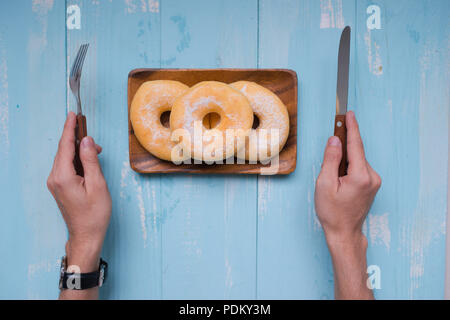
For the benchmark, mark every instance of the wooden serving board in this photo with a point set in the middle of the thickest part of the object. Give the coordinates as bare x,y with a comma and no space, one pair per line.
282,82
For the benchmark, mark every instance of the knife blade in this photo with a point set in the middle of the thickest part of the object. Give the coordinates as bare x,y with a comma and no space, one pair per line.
340,129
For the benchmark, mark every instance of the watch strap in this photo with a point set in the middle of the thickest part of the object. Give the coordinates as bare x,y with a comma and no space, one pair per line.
82,281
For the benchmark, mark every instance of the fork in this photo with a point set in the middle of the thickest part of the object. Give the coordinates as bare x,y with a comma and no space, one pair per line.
80,129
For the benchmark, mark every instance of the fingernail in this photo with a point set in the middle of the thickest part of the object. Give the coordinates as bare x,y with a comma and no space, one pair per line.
352,114
87,142
334,141
71,115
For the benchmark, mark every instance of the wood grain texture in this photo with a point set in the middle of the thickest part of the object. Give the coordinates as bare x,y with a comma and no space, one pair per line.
32,114
123,35
209,232
221,236
282,82
80,133
340,131
402,104
292,252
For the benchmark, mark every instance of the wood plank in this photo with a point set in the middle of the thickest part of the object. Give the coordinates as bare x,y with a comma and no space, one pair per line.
293,260
32,113
209,233
123,35
222,236
403,79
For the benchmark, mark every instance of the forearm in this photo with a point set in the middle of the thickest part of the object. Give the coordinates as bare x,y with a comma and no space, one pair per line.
350,267
85,256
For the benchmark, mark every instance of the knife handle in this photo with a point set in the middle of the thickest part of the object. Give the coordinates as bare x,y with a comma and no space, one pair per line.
80,133
340,131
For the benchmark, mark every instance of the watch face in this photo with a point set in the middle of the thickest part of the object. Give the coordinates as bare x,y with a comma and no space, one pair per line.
103,268
61,272
102,277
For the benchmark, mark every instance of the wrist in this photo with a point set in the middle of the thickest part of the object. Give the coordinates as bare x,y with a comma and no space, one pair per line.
351,241
83,254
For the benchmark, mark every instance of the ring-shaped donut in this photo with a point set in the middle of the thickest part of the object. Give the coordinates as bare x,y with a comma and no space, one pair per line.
273,121
207,98
151,100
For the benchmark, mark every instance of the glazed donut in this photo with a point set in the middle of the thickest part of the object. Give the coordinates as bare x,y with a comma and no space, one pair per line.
272,114
151,100
206,99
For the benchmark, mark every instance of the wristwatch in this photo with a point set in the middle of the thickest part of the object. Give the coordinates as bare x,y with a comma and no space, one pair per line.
82,281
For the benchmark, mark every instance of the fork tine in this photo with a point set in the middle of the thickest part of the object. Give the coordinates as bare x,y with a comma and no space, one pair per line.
79,60
75,63
83,56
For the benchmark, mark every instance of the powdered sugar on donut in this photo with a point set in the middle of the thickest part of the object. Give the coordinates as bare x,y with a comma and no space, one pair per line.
272,115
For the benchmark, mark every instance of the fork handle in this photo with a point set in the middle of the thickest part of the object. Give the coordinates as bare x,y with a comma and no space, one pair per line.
80,133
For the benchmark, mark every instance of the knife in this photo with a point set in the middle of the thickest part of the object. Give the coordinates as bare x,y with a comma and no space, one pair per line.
340,129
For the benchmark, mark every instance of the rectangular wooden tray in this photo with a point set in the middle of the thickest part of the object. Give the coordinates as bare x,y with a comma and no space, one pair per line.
282,82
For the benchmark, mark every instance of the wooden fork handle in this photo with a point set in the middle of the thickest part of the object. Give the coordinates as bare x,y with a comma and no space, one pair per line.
340,131
80,133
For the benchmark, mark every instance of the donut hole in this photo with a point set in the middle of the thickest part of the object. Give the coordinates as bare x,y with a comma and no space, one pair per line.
255,121
211,120
165,117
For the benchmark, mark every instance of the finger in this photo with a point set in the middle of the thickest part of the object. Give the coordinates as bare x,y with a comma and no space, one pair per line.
98,148
375,177
331,160
89,160
355,148
66,147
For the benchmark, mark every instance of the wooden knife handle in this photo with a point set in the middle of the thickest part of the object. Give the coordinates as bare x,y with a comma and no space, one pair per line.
340,131
80,133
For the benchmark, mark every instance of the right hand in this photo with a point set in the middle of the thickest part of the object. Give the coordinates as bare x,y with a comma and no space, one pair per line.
342,203
84,202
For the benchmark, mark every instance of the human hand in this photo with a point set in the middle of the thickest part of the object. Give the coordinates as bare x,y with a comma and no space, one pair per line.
84,202
342,203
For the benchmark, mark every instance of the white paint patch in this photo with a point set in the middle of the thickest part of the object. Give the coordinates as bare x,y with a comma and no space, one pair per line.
379,232
37,41
123,180
4,101
264,196
430,211
228,278
125,174
43,266
141,206
373,55
331,15
153,6
42,7
132,6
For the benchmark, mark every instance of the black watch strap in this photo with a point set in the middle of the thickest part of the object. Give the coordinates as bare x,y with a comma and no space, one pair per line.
82,281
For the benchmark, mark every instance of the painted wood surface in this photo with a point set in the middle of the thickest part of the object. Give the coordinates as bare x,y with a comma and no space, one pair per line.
227,236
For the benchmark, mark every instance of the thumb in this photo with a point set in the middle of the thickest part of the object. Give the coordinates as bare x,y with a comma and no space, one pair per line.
332,159
89,160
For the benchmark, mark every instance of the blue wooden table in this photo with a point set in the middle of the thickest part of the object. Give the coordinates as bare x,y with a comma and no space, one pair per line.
227,237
